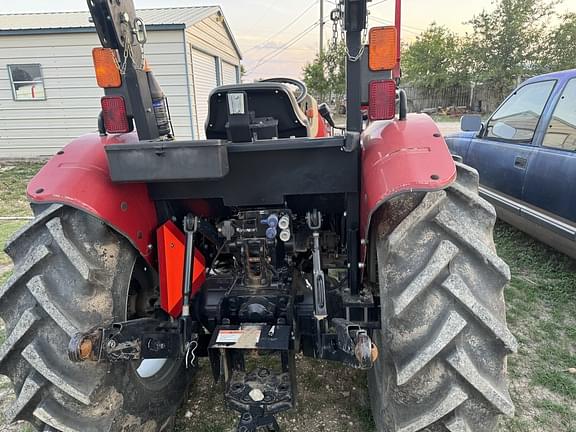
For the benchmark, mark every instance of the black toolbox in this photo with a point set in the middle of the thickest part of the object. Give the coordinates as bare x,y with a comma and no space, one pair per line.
165,161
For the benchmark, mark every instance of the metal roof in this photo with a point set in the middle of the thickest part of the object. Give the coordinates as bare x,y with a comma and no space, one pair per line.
55,20
65,22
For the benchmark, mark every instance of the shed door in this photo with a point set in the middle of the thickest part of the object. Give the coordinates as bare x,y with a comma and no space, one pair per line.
229,73
204,82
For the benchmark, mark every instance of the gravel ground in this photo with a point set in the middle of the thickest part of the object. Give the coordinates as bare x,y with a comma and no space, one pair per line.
448,128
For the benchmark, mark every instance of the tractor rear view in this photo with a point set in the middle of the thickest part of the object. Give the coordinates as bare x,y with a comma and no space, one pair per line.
274,236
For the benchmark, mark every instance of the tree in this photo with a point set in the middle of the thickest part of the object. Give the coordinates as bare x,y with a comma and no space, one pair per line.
315,78
506,45
432,61
561,52
325,77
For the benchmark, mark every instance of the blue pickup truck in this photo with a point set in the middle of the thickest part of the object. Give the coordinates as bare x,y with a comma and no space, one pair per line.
526,156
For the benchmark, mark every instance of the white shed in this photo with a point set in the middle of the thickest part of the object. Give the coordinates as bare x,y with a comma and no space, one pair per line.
48,91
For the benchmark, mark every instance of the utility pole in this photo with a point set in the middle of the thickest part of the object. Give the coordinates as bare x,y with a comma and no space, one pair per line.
321,27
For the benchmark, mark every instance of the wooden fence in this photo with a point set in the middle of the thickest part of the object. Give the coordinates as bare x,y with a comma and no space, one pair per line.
478,99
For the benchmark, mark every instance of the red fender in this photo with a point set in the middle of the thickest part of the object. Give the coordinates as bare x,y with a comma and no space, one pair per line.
399,157
78,176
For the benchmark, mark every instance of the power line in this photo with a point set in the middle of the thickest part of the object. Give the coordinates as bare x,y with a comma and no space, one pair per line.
290,24
409,29
290,42
377,3
266,59
286,46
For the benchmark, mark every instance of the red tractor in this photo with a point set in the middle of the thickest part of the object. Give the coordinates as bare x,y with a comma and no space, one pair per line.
273,236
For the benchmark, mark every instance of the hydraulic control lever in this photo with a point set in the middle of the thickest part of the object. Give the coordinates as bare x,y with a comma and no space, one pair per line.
314,220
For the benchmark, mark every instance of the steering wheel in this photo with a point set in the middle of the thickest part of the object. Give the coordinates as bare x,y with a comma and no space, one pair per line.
300,85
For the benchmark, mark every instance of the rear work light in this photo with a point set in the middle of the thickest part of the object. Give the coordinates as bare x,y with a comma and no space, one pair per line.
115,116
106,67
382,100
382,55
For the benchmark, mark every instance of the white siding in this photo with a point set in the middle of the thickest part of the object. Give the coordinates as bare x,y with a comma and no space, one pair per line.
204,71
210,36
40,128
229,73
208,43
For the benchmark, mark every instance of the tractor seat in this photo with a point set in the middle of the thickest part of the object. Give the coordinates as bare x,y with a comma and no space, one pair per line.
264,101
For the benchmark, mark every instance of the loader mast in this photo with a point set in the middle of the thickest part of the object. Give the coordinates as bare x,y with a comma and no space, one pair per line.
355,23
120,29
398,24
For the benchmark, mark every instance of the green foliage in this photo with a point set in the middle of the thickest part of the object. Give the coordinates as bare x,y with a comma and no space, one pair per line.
326,75
432,61
561,45
512,41
506,44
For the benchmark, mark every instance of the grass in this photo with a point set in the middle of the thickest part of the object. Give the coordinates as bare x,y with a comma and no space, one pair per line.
442,118
6,230
541,302
13,180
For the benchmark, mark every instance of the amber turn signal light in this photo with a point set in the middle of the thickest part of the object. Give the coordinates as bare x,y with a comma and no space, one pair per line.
382,48
106,67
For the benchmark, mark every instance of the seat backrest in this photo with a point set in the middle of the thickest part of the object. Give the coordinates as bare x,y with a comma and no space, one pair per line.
265,100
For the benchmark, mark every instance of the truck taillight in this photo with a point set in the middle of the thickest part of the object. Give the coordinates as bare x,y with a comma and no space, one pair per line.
382,100
106,67
115,115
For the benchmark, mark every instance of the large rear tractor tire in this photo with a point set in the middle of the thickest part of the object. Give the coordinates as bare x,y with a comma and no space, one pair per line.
444,337
72,273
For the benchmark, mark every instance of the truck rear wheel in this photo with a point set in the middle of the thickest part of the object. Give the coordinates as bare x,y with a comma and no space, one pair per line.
72,273
444,340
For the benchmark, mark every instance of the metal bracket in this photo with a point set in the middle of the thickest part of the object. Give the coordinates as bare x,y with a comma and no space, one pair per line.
126,341
352,141
314,220
254,420
350,345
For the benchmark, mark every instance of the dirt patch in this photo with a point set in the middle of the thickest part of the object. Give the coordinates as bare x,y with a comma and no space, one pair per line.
330,398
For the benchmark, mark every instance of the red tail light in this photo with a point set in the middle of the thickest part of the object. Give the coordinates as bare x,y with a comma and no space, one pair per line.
115,116
382,100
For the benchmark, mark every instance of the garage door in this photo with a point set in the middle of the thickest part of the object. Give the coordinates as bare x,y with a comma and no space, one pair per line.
229,73
204,82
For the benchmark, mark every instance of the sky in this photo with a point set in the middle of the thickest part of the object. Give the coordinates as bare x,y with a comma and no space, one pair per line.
261,27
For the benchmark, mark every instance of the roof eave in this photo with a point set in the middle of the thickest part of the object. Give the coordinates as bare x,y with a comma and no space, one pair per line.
62,30
217,10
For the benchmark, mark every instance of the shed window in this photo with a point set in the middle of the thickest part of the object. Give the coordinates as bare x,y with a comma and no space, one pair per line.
27,82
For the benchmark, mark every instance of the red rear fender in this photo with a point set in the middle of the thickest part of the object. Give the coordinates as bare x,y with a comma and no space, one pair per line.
399,157
78,177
